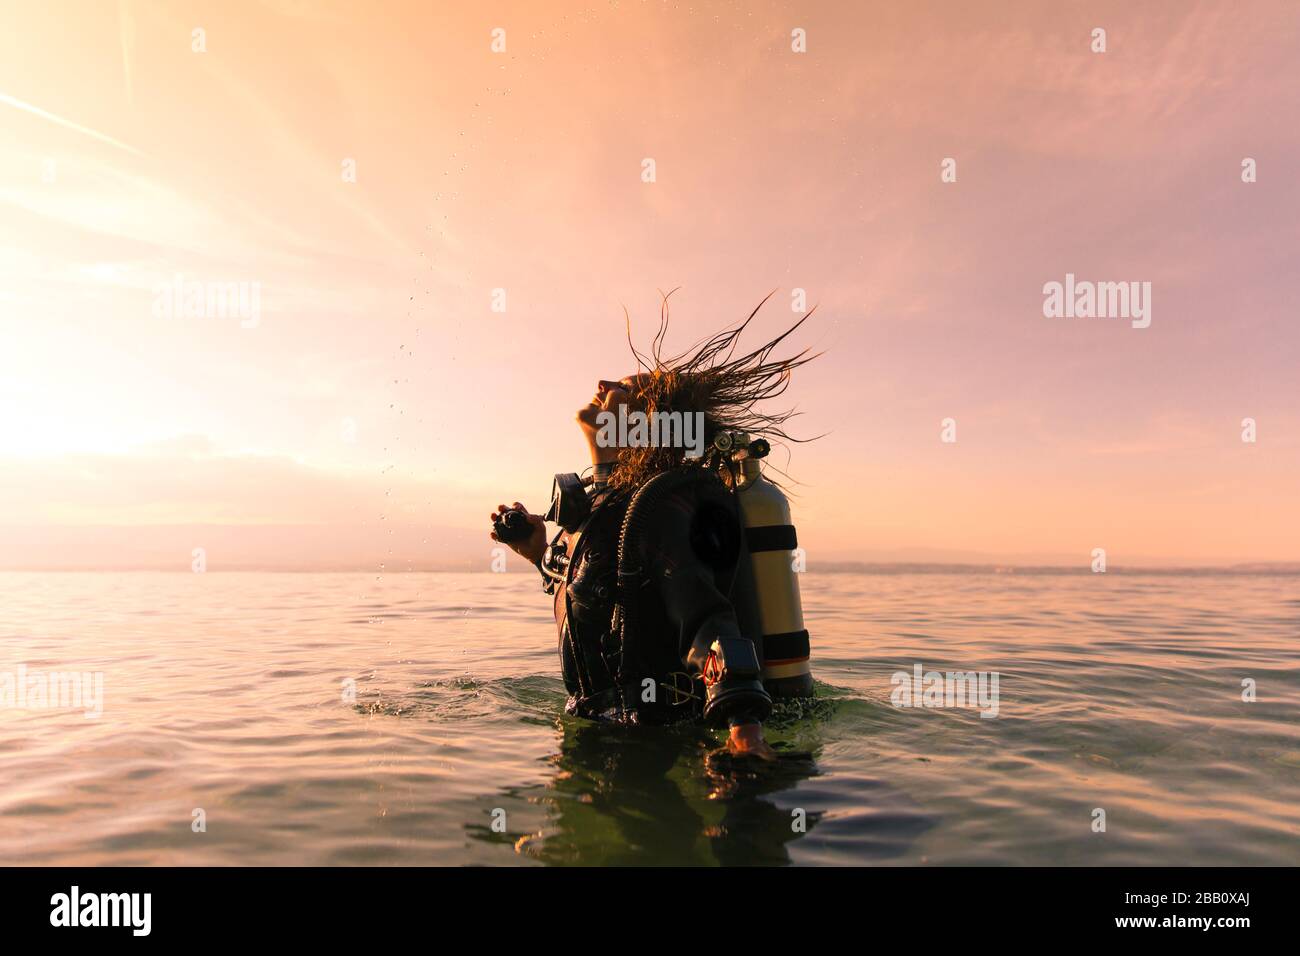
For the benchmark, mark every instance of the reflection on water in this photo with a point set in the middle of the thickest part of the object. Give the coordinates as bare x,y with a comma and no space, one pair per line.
230,693
653,795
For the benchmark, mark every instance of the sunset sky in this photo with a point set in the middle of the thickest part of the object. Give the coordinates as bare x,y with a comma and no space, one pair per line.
378,407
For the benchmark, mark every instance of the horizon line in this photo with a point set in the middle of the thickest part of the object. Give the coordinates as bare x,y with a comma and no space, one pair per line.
840,567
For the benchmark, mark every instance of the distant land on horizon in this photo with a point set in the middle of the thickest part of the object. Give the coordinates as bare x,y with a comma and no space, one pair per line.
325,548
1281,568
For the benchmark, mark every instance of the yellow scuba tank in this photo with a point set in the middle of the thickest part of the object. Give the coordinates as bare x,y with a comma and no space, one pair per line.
766,593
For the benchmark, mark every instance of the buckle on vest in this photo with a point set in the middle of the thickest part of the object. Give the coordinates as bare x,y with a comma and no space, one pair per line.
680,697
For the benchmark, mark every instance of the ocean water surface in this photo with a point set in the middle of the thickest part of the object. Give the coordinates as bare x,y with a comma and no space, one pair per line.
347,719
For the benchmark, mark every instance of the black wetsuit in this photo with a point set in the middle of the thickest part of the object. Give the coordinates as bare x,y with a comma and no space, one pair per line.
690,557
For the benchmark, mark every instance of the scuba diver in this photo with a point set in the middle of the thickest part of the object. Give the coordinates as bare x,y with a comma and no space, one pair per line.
674,594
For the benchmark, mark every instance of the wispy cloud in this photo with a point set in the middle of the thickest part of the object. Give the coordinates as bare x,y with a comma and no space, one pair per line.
18,104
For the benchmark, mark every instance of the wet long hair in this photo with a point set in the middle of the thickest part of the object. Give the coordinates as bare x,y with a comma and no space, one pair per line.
709,378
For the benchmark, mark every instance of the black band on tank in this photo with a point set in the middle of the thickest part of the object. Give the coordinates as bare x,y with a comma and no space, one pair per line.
772,537
791,646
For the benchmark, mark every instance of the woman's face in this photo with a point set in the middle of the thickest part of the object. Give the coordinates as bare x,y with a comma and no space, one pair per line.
609,396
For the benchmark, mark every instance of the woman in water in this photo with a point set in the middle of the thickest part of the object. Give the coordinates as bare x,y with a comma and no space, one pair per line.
660,643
